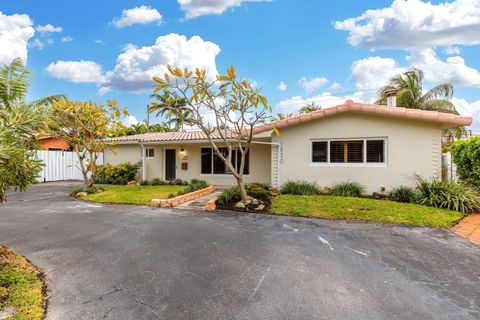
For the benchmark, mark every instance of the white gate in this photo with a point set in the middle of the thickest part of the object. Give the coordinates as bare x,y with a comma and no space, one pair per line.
61,165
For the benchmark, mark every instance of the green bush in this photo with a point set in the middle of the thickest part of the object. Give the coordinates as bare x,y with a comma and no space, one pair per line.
229,195
257,190
300,188
448,195
195,184
120,173
466,156
404,194
144,183
179,182
348,189
90,190
158,182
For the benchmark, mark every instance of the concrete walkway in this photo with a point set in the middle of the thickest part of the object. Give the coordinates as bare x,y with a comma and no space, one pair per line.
469,228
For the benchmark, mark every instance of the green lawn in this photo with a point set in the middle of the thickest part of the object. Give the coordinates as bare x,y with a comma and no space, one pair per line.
142,195
20,286
347,208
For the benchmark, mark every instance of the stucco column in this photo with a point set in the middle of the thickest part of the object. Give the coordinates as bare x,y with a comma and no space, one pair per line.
144,163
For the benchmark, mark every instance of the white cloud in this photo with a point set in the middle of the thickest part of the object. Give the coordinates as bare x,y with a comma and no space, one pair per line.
197,8
103,90
466,108
415,24
48,28
130,120
67,39
325,100
335,86
15,32
36,43
136,66
137,15
451,50
370,73
282,86
312,84
452,70
98,41
77,71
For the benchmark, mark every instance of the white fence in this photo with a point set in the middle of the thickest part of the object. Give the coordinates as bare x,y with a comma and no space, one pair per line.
61,165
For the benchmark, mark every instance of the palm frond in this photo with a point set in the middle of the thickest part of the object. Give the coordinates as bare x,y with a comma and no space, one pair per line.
14,82
443,91
440,105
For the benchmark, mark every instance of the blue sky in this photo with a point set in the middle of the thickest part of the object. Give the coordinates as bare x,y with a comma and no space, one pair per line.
320,51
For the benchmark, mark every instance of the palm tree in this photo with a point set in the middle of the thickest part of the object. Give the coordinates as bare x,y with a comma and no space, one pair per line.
409,90
14,82
172,107
281,116
309,108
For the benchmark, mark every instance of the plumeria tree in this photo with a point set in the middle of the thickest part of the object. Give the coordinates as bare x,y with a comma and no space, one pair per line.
84,126
233,104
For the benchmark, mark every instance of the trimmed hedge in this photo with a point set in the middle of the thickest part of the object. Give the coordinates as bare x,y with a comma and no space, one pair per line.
120,173
466,156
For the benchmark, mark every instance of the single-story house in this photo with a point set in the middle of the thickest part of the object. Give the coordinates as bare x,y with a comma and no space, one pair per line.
381,147
52,144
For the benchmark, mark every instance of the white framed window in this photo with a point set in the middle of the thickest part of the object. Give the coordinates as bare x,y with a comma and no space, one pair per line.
212,164
149,152
349,152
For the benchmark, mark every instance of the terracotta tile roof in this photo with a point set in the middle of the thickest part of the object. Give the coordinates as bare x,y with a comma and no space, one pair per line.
165,137
446,120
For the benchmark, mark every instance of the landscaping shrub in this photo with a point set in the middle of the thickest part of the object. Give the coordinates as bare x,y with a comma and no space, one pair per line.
120,173
158,182
466,156
144,183
258,190
348,189
300,188
404,194
195,184
90,190
448,195
179,182
229,195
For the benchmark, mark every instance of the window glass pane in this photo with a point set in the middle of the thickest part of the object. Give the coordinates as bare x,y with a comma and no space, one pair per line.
375,151
206,160
337,151
149,152
355,151
319,151
218,165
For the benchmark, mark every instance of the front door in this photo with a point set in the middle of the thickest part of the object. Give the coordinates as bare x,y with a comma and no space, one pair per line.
170,164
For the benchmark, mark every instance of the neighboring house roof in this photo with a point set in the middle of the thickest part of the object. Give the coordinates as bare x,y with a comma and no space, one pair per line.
446,120
166,136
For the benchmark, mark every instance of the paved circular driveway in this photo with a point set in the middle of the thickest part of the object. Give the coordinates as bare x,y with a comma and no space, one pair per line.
125,262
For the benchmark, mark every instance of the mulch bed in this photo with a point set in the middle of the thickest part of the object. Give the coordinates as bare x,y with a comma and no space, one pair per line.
267,202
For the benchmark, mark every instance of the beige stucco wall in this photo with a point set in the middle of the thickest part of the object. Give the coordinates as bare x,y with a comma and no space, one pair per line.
259,162
412,148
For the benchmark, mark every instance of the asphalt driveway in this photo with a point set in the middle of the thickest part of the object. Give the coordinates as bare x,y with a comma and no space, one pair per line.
125,262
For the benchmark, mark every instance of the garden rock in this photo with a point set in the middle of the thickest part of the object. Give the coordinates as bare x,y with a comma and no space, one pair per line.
132,183
7,313
240,205
81,194
260,207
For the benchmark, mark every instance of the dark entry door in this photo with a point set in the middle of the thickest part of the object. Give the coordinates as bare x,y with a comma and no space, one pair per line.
170,164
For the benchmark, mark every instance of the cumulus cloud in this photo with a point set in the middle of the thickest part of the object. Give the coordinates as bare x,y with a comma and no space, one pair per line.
48,28
415,24
325,100
282,86
130,120
312,84
77,71
197,8
98,41
36,43
335,86
136,66
471,109
15,32
370,73
67,39
452,70
137,15
451,50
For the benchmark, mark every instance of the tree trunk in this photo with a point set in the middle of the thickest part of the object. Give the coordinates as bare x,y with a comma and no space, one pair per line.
241,187
3,197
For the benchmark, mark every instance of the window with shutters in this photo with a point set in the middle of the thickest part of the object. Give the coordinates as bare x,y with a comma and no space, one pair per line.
366,151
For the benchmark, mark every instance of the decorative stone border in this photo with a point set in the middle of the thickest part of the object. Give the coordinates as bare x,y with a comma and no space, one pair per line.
212,204
178,200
